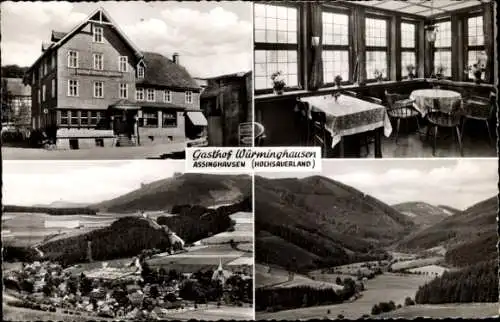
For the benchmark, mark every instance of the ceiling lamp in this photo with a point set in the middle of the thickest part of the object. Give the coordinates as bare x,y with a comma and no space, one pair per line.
431,30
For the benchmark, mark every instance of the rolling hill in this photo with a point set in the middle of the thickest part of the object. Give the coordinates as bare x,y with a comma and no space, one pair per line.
303,224
469,236
421,213
195,189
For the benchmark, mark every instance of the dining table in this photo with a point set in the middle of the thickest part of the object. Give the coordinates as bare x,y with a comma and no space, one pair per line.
347,115
426,100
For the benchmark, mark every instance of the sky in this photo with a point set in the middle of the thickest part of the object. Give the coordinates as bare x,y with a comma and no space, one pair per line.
27,183
459,183
212,38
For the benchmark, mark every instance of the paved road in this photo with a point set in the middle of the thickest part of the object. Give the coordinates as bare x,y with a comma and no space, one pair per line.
136,152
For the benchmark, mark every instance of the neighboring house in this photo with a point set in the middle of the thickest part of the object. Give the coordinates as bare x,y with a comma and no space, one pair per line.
93,87
16,102
227,102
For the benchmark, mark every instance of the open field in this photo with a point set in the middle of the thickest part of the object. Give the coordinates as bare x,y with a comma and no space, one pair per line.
263,278
430,269
383,288
243,231
416,263
212,313
465,311
22,314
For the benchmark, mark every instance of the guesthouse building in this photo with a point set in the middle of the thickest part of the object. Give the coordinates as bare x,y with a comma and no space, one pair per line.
93,87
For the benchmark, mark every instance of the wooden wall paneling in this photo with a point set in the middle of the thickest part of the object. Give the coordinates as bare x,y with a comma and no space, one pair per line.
489,40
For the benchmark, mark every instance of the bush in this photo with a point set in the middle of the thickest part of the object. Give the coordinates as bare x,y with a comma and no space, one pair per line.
376,310
340,316
409,301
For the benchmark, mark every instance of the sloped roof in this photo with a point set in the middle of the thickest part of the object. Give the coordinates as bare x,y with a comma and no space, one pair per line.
161,71
16,87
57,35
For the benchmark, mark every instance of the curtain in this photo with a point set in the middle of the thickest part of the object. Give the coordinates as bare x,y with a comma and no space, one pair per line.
489,39
358,41
316,27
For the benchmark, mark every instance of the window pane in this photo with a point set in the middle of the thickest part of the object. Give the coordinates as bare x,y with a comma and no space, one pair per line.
376,32
407,58
376,60
443,59
475,32
407,35
443,34
271,61
275,24
335,62
335,29
472,59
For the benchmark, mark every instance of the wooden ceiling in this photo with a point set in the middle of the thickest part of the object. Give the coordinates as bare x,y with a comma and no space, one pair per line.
424,8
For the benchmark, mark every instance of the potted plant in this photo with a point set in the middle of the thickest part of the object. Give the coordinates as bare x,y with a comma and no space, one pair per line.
477,71
440,71
338,80
278,82
410,69
379,74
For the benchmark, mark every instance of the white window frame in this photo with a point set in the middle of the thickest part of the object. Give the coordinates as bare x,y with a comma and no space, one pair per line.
149,91
125,60
70,60
120,90
44,90
141,91
140,71
53,88
101,66
188,97
167,96
96,35
77,85
95,88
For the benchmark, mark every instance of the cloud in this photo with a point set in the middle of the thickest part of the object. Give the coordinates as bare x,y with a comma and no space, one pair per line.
211,39
88,182
459,184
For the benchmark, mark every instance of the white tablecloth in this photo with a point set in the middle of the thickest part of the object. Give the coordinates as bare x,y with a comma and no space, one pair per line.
349,115
424,99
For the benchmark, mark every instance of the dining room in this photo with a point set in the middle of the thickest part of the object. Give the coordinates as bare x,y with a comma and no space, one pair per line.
387,78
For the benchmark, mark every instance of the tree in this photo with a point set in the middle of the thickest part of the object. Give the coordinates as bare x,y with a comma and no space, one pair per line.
376,310
409,301
154,291
338,281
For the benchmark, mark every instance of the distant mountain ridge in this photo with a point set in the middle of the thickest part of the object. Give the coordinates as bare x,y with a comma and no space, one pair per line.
189,188
63,204
316,221
422,213
468,236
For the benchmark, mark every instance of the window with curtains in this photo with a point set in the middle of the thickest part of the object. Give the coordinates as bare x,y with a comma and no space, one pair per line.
408,47
376,35
442,48
276,44
336,41
475,42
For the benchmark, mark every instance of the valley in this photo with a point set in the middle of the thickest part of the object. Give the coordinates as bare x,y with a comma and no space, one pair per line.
378,276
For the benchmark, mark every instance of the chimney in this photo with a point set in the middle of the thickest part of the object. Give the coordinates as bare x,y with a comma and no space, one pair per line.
175,58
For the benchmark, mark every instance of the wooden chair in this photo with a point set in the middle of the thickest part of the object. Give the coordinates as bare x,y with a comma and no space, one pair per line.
400,107
439,119
480,109
303,122
318,131
260,134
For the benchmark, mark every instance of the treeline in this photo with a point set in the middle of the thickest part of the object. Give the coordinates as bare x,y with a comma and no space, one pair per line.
51,211
277,299
330,253
15,253
475,283
482,248
126,237
193,223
